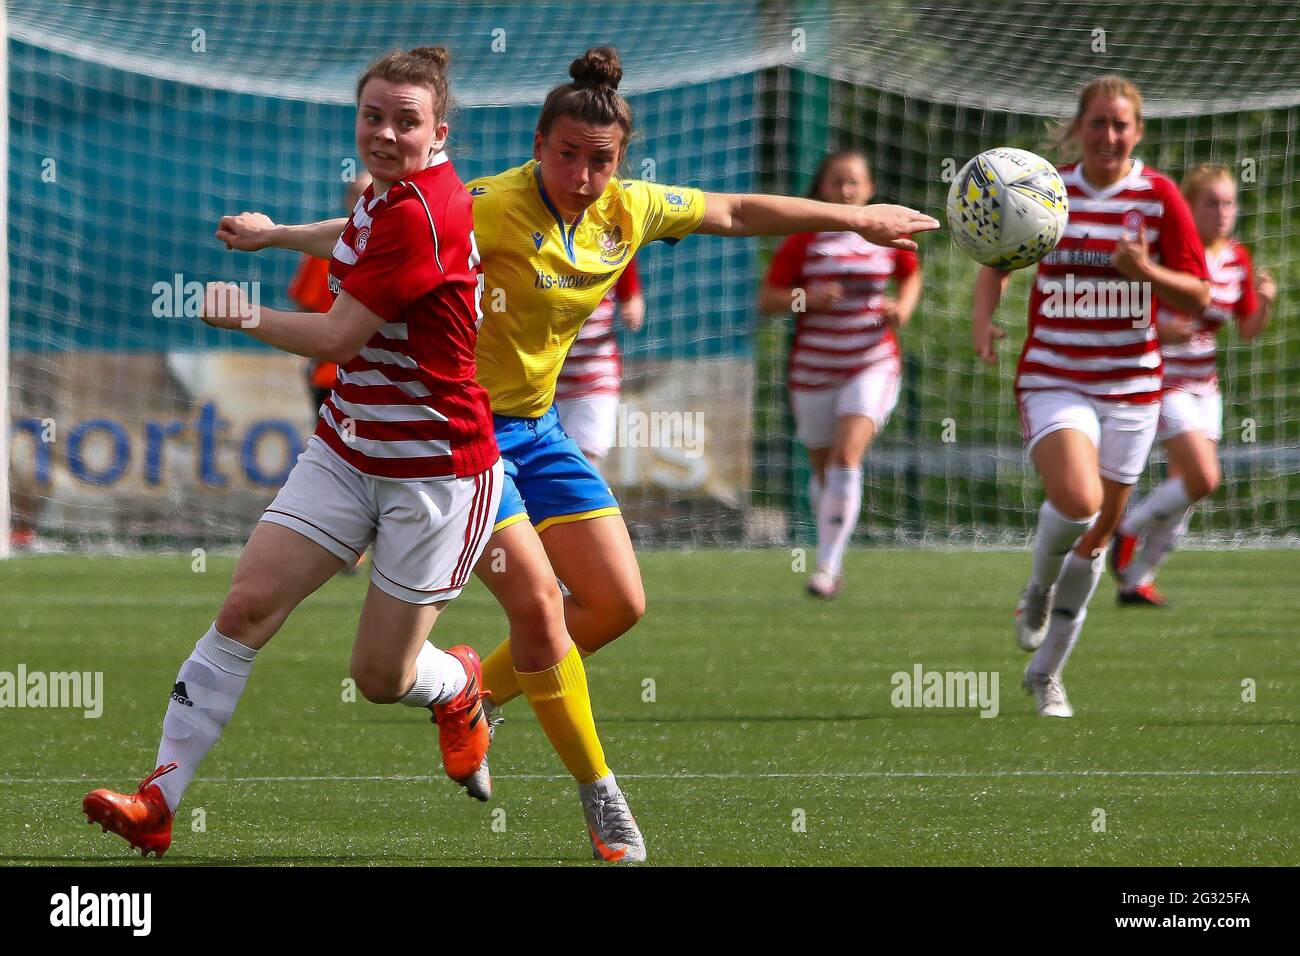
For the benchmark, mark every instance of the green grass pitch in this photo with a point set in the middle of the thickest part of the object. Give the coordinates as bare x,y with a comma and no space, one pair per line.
768,710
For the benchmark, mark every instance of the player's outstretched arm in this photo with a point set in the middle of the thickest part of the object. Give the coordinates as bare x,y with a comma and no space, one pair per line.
753,214
336,336
252,231
989,286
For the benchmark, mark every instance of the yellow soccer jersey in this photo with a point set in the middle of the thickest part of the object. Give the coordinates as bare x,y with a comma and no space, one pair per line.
543,278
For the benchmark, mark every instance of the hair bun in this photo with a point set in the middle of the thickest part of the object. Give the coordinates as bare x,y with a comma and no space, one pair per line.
436,55
597,67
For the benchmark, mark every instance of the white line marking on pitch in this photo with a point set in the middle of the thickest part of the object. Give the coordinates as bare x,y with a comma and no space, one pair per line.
831,775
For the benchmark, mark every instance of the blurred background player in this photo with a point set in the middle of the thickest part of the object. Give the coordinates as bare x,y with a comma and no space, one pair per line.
591,379
1088,382
26,499
844,369
1191,408
310,290
403,456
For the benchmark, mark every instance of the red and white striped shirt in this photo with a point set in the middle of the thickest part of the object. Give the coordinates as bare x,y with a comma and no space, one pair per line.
593,365
831,347
1089,330
1190,365
407,407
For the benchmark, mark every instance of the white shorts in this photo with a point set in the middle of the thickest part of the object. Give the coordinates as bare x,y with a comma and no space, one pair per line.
591,421
1184,411
872,392
427,534
1122,432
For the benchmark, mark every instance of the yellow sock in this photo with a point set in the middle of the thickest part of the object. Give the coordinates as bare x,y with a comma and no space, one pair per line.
499,674
559,698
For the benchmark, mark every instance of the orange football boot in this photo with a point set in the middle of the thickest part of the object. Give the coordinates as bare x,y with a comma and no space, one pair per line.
463,735
1144,595
140,818
1122,550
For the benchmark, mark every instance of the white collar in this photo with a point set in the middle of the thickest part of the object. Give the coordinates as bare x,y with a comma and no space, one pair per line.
1215,260
437,159
1124,182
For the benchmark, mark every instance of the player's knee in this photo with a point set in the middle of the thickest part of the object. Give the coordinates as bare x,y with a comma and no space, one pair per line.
840,458
620,610
377,684
537,611
631,609
245,610
1077,504
1202,484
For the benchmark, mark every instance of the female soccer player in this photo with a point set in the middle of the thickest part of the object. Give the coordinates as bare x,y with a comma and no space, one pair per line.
555,234
844,363
403,457
591,379
1191,408
1088,382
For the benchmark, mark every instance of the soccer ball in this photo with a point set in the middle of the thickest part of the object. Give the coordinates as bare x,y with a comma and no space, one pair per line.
1007,208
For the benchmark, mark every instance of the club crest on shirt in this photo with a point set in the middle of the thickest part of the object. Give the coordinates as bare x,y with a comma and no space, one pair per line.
363,236
613,247
1133,223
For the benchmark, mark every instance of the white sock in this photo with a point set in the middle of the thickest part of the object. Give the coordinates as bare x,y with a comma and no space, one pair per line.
841,500
1053,539
1074,588
814,493
203,701
1162,537
439,677
1169,499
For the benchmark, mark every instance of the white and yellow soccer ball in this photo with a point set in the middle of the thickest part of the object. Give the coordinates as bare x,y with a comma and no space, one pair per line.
1007,208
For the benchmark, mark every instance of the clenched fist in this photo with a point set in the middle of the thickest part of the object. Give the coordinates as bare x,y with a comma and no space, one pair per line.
227,306
247,232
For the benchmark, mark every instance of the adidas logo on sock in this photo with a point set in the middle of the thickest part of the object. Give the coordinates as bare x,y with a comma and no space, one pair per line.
181,695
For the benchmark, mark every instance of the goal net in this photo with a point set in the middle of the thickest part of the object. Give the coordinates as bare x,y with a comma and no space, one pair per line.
135,125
